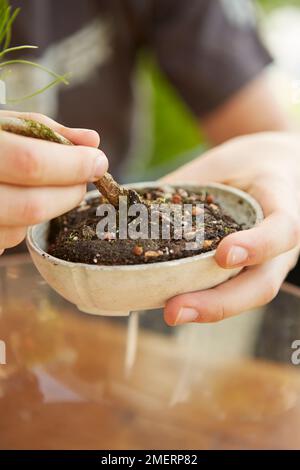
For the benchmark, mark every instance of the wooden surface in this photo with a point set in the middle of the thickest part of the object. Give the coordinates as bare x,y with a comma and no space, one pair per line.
64,385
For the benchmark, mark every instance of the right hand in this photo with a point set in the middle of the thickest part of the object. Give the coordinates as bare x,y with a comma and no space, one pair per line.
265,165
40,180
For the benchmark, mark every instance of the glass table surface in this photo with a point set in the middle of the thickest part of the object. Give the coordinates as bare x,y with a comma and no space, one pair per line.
67,384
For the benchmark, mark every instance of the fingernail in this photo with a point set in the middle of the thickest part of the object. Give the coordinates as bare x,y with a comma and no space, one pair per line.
1,252
186,315
78,129
100,167
236,255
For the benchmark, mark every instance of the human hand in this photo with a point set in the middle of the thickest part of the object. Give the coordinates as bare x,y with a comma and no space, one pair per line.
40,180
266,166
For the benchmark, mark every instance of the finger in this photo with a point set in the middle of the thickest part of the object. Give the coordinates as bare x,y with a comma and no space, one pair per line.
278,233
200,172
86,137
254,287
214,165
30,206
220,165
11,236
33,162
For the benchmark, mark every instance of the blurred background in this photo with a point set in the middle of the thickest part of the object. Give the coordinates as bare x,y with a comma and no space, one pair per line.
156,145
167,148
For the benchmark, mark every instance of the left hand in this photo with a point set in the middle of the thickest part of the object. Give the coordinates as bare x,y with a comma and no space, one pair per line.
266,166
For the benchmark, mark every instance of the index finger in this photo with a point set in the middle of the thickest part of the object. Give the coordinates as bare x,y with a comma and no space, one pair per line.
33,162
87,137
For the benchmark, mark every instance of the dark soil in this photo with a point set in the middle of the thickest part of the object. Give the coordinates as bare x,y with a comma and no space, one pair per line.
72,236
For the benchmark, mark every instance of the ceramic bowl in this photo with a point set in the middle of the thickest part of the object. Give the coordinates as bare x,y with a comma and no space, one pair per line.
119,290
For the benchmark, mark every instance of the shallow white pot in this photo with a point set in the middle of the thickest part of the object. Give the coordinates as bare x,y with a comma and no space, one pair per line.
118,290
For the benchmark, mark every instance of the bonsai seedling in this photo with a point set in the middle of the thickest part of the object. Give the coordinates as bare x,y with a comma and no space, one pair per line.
73,236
